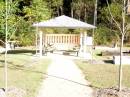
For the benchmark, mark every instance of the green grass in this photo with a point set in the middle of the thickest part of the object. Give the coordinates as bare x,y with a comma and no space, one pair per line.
23,72
103,76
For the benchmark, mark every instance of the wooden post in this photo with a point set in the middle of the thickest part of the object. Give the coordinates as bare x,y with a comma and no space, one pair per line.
36,40
81,42
85,49
40,44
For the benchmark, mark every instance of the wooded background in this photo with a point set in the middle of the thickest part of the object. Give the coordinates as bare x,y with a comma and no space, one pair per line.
23,13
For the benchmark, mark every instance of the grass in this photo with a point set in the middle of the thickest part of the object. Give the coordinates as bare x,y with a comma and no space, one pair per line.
103,75
23,72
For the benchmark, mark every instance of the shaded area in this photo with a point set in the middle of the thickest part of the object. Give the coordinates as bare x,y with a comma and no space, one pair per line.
2,61
113,53
108,61
67,52
21,51
67,7
13,63
127,53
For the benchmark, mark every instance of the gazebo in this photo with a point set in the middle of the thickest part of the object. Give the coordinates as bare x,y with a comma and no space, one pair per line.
64,22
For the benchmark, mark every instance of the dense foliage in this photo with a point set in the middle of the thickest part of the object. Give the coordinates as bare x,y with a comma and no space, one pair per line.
106,13
23,13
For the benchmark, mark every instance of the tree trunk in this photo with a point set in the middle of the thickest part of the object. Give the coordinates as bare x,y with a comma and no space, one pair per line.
85,14
72,12
6,41
121,45
120,67
61,9
72,9
79,14
95,20
58,13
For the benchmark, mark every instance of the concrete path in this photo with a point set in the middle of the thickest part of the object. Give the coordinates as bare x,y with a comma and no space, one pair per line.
64,79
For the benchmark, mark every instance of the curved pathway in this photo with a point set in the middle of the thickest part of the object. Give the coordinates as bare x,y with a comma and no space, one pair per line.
64,79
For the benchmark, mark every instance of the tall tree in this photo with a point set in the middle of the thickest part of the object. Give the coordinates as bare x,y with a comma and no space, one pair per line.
35,11
2,21
12,21
55,6
82,10
117,11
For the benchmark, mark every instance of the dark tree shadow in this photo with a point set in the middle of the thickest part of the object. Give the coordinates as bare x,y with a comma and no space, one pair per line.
99,54
16,65
2,61
108,61
21,51
67,53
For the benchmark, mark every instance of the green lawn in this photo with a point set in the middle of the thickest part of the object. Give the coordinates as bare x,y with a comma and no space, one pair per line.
23,72
102,76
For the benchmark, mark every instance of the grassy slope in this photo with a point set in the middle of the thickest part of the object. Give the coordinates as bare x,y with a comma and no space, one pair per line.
21,75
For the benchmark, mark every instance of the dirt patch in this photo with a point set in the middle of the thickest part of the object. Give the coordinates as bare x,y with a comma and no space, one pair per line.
113,92
13,92
94,61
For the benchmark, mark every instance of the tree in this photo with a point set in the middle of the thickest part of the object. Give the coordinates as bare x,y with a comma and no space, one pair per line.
9,17
82,9
37,11
55,6
104,35
58,4
12,21
123,27
107,20
2,22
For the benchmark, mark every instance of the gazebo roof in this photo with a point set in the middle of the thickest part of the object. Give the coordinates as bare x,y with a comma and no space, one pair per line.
64,22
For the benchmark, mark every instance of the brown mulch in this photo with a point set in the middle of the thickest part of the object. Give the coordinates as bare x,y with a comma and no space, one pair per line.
113,92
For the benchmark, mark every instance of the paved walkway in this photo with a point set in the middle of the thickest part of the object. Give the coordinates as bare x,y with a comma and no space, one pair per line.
64,79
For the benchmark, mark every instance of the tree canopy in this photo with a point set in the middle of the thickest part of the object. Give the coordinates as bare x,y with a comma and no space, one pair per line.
22,13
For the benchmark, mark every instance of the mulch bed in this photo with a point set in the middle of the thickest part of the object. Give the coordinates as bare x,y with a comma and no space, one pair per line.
113,92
